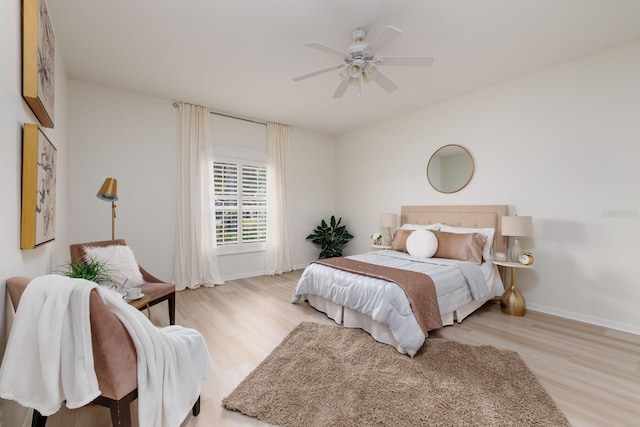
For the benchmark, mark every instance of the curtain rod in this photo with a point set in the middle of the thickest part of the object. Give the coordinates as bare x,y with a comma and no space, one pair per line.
176,105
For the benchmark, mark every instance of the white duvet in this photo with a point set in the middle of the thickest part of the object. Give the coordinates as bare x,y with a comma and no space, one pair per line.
457,283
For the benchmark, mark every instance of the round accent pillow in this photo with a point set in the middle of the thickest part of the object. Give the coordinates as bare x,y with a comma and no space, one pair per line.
422,243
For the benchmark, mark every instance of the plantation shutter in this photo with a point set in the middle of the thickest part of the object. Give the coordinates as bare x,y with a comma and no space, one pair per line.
240,194
254,204
225,185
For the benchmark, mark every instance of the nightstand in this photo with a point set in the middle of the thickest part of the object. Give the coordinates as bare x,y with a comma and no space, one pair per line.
378,247
512,302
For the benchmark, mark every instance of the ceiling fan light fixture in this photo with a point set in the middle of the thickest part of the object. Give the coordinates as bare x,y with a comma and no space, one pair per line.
369,70
355,69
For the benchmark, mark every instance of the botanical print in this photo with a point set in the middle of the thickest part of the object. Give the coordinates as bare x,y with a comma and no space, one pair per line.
46,191
46,59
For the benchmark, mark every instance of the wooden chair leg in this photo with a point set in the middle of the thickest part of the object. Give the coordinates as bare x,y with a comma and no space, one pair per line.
120,409
120,413
196,408
172,309
39,420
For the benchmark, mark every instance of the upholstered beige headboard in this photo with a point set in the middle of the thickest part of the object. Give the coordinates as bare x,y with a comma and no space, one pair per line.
479,216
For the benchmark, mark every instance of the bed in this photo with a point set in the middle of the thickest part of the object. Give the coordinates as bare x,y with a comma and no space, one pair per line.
382,308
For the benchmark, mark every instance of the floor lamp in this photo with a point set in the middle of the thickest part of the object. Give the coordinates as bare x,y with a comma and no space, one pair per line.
109,193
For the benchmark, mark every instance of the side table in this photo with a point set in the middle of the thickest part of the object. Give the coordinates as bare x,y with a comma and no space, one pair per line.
512,302
141,303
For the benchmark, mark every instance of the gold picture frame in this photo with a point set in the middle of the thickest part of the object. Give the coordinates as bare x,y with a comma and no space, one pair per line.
38,60
39,157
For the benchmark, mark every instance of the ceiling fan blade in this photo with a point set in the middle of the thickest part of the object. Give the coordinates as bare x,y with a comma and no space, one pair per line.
385,35
326,48
315,73
342,87
384,82
410,61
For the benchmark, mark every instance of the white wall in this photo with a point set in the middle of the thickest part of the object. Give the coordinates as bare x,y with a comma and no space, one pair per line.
134,138
560,145
314,184
14,113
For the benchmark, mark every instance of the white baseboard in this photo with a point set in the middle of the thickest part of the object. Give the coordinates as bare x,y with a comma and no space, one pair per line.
243,275
256,273
632,329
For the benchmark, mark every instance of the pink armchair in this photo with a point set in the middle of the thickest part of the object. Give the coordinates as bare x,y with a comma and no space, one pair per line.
155,288
114,356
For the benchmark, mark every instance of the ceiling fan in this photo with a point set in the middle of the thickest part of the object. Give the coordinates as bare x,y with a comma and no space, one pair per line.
361,63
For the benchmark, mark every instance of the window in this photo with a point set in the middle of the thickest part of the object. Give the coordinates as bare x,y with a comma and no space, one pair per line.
240,200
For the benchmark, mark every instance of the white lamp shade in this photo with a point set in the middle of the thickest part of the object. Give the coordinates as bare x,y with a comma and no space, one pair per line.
519,226
389,220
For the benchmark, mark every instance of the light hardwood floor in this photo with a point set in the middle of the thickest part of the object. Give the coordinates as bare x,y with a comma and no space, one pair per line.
593,373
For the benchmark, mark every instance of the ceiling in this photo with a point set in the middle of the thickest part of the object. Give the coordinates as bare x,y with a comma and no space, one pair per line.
239,56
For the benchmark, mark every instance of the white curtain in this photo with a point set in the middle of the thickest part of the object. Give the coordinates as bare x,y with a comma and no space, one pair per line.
195,255
279,247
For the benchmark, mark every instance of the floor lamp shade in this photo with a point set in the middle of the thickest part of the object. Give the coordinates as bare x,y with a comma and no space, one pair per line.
517,226
109,190
109,193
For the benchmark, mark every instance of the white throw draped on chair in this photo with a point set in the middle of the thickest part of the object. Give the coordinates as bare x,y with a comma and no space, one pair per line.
279,247
50,359
195,255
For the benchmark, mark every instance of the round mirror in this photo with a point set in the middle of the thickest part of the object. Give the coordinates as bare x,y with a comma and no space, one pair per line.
450,168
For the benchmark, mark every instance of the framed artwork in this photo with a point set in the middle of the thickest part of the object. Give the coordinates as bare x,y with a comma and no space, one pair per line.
38,188
38,60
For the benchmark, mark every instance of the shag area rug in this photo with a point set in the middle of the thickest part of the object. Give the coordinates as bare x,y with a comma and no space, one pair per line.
324,375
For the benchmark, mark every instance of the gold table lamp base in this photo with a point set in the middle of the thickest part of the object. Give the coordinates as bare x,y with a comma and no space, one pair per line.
512,302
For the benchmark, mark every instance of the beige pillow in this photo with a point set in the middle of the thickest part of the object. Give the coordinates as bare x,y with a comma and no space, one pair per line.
489,232
464,247
399,242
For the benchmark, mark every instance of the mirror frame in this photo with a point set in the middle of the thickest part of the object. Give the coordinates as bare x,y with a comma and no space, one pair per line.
473,166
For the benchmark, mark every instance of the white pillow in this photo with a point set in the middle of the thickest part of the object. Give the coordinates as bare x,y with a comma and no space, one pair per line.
120,262
421,226
422,243
489,232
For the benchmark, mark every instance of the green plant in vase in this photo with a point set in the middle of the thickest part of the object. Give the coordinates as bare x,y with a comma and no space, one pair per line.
94,271
331,237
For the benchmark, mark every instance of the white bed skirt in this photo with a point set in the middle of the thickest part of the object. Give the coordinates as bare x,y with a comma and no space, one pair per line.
379,331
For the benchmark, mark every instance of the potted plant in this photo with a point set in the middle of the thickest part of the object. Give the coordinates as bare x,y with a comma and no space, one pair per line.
94,271
331,237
